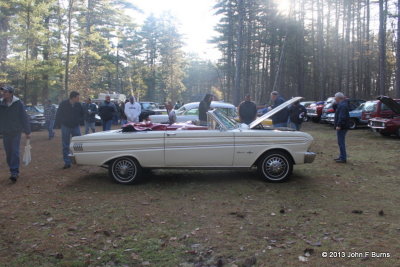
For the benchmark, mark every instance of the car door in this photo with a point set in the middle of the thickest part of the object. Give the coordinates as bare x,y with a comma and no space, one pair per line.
199,148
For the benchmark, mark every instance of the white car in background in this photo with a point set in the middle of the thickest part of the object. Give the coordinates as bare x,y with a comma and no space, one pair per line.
190,112
223,144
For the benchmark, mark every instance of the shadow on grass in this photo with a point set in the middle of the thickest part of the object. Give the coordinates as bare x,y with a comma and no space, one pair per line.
182,178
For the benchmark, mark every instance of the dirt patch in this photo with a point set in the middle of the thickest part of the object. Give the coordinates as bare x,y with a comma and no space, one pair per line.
79,217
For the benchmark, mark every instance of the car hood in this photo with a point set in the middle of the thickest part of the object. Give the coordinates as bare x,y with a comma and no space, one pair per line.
270,113
393,105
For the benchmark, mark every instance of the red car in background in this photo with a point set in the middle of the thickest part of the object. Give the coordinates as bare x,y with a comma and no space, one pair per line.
390,124
314,111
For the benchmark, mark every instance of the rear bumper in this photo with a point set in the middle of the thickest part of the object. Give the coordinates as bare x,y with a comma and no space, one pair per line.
309,157
312,115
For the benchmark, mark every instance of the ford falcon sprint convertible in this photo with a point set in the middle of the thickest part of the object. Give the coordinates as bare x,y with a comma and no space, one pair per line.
223,144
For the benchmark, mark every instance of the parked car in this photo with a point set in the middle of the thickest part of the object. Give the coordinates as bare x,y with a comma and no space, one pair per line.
190,112
224,144
389,125
150,108
314,111
355,117
331,107
376,109
36,116
306,104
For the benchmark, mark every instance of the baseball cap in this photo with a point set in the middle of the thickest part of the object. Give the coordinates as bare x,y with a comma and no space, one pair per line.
7,88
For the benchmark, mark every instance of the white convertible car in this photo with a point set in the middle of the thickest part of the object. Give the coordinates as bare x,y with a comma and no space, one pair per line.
224,144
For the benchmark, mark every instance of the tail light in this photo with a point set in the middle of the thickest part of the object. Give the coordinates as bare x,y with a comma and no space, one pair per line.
331,110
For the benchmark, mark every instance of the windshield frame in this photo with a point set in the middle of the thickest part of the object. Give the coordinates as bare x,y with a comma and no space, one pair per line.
216,116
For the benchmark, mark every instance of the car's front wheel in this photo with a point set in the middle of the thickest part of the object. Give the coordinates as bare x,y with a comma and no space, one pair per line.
352,124
125,170
275,166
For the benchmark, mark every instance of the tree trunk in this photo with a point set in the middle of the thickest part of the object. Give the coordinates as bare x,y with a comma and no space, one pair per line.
382,48
239,54
397,93
66,78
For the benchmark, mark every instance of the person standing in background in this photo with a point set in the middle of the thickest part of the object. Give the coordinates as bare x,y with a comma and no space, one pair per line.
90,111
68,117
13,121
342,121
107,110
132,110
124,119
204,107
280,119
247,110
297,113
50,117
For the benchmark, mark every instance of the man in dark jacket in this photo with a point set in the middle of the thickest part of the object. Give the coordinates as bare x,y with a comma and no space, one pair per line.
297,113
342,119
247,110
90,111
13,121
204,107
50,117
69,115
280,119
106,111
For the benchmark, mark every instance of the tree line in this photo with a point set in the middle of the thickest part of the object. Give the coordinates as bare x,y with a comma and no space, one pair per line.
51,47
319,47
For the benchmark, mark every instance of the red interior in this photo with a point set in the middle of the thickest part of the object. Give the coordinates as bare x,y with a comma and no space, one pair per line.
142,126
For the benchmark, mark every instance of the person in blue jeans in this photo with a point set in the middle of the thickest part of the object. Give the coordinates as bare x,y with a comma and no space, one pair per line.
90,111
50,117
342,121
13,121
106,112
68,117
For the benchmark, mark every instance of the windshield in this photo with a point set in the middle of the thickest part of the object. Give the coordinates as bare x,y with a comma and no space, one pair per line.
360,107
149,106
221,118
370,106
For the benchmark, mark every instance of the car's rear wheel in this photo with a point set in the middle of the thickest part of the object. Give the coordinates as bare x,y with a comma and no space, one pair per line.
315,119
352,124
125,170
275,166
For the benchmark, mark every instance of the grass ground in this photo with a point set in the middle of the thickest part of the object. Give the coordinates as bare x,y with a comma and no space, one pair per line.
79,217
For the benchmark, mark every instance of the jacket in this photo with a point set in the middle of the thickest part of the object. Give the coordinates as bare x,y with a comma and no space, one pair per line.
247,112
50,112
204,107
69,115
342,115
107,110
132,111
89,111
283,115
297,113
13,117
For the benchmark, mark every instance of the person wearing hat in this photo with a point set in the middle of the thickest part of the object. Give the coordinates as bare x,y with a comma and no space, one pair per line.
13,121
342,121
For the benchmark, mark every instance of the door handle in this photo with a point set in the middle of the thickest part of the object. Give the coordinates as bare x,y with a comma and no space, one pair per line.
171,134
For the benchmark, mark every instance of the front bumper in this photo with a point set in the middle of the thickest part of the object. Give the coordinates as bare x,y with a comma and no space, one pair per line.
72,158
309,157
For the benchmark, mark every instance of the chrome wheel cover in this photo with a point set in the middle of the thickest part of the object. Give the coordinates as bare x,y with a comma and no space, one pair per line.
275,167
124,170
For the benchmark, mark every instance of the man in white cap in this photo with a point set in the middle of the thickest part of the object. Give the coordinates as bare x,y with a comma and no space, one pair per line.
13,121
342,120
132,110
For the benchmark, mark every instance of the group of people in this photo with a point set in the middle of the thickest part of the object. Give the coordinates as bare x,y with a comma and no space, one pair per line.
291,117
14,120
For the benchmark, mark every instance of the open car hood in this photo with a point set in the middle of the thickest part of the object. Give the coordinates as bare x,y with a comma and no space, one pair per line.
393,105
274,111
